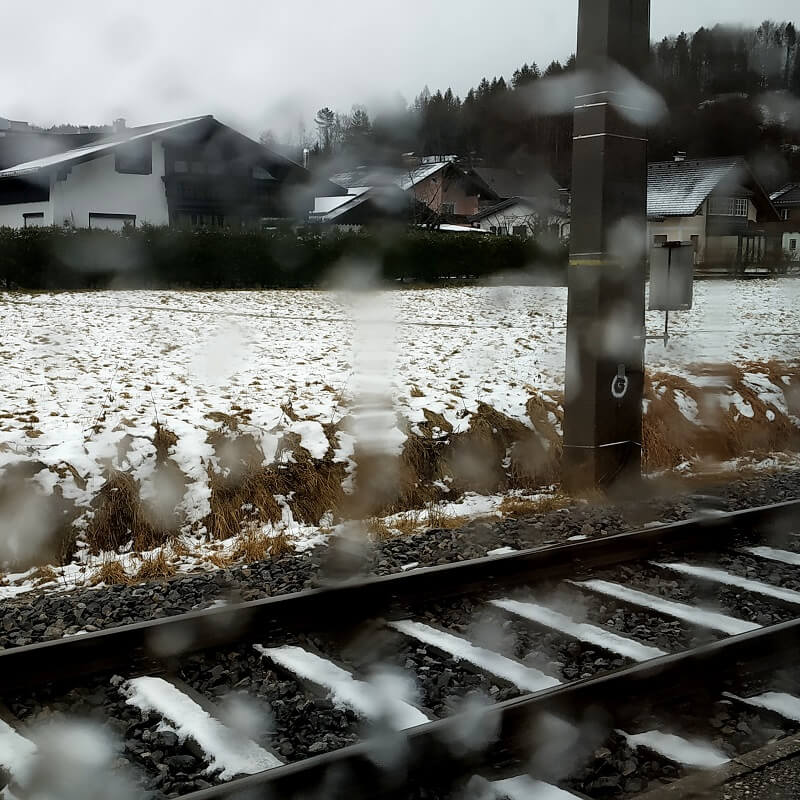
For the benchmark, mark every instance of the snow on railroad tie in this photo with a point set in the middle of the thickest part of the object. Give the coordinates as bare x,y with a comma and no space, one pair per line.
525,678
729,579
16,752
366,699
227,750
770,553
692,614
599,637
526,788
787,705
678,749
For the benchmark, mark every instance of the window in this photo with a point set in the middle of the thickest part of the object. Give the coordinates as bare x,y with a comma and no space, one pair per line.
793,244
660,238
199,167
728,206
33,219
134,158
216,168
784,214
111,222
448,209
521,231
181,166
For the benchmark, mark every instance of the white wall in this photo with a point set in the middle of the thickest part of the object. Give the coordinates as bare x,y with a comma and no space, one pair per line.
96,187
787,237
520,213
11,216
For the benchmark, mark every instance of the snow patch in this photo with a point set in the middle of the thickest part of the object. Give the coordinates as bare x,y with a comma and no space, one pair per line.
729,579
227,751
678,749
526,678
364,698
592,634
682,611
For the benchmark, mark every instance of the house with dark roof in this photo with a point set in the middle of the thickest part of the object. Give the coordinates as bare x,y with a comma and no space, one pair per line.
507,183
367,206
717,204
438,183
190,172
787,201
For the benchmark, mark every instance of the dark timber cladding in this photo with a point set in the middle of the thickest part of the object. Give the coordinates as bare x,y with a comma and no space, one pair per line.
605,323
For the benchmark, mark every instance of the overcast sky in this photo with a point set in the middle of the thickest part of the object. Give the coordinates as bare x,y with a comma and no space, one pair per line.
259,63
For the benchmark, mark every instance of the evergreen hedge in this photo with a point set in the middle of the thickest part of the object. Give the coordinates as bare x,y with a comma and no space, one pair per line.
147,257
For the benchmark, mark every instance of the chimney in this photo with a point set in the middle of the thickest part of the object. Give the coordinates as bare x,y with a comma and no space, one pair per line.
120,125
680,155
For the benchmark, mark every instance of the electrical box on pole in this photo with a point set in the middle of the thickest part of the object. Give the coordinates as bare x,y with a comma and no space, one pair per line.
671,276
606,276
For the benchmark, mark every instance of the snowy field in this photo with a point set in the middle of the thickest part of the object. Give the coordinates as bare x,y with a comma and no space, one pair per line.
86,375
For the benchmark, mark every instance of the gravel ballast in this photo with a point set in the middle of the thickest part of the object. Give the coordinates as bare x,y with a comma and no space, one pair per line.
42,616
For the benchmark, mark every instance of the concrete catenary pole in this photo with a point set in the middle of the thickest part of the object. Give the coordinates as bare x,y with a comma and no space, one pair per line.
605,318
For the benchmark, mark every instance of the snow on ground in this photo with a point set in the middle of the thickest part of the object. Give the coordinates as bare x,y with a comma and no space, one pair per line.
86,375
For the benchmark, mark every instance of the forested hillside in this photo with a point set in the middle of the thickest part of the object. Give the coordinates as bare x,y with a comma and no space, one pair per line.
729,91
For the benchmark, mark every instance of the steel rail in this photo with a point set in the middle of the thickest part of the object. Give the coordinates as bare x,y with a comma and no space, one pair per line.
426,756
155,643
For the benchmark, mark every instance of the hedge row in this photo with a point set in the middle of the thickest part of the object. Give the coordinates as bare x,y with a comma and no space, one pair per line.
56,258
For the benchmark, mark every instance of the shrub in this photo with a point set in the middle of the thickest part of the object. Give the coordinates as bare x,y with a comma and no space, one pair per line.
148,257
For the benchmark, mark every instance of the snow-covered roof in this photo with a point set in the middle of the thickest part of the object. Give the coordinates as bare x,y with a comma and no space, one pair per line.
788,195
679,188
324,205
95,148
404,177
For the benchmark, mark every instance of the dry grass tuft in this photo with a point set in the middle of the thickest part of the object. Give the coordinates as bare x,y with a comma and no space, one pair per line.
254,545
42,575
312,487
112,573
156,568
528,506
378,529
219,560
163,440
721,431
438,518
120,517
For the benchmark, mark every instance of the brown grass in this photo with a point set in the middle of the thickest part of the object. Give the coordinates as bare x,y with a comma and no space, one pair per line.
253,545
163,440
378,529
219,560
112,573
156,568
720,433
312,487
528,506
120,517
42,575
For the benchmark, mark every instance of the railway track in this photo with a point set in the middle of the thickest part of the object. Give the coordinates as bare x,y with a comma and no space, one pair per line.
601,668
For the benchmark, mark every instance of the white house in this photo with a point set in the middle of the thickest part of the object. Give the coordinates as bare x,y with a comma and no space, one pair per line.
188,172
525,217
717,204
